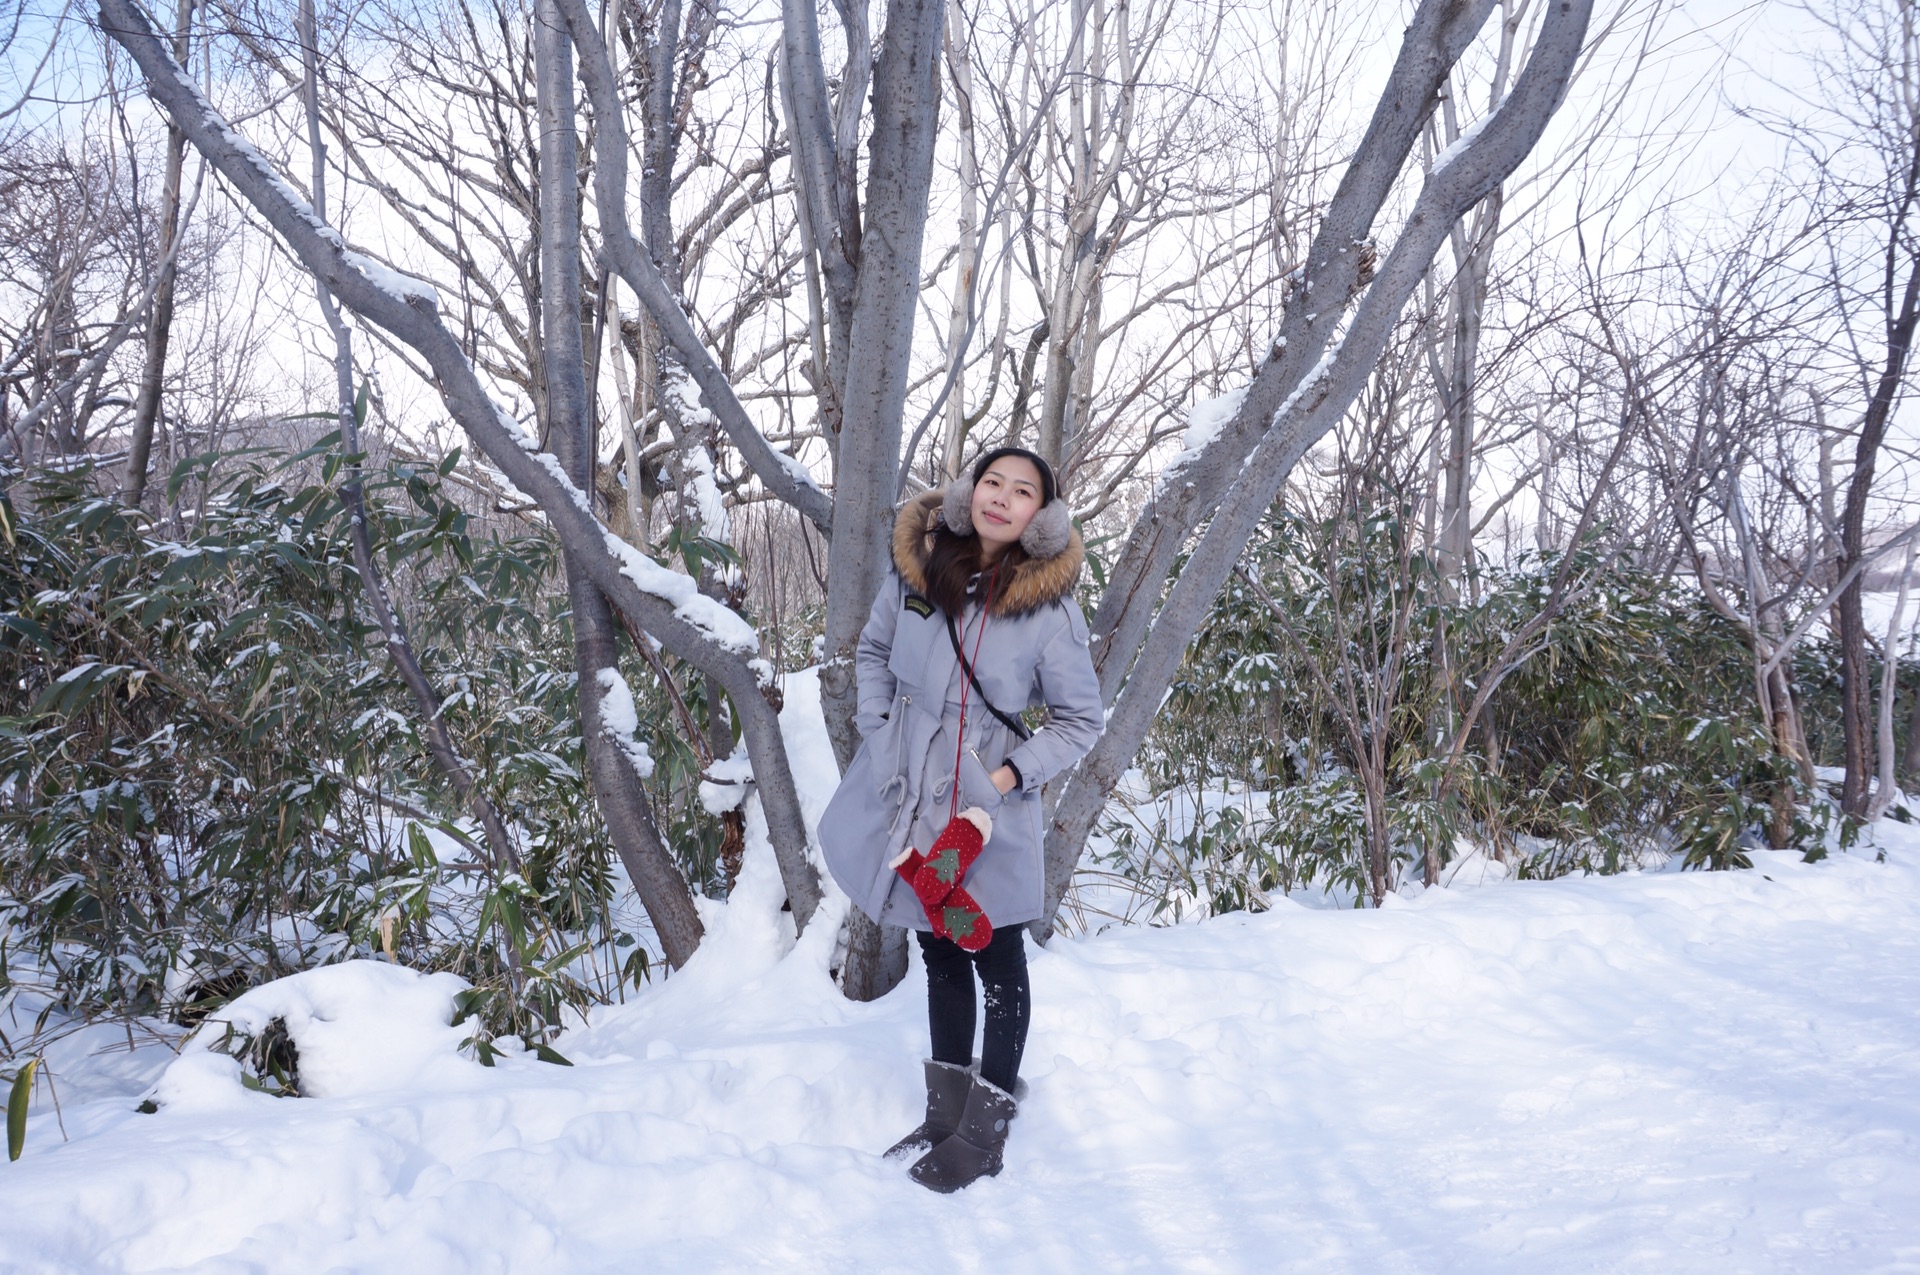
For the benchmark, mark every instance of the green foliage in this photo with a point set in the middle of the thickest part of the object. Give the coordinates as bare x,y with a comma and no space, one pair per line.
211,776
19,1098
1621,733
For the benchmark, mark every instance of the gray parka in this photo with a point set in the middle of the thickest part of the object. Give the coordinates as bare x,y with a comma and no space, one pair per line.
897,791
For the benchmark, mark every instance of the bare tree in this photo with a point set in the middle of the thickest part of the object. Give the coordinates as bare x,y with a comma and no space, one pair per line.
669,607
1871,168
864,246
1299,394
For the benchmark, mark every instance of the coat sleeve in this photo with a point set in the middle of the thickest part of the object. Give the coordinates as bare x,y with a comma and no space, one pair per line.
1070,689
877,683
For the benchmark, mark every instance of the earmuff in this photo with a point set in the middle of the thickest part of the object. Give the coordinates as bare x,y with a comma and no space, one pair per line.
1045,537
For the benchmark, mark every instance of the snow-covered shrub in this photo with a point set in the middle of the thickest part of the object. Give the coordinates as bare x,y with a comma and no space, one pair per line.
210,775
344,1030
1315,739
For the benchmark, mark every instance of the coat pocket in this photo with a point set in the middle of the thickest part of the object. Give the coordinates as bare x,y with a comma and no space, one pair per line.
976,788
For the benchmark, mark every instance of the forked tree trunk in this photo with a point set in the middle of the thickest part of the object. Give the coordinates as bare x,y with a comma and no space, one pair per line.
617,783
1285,411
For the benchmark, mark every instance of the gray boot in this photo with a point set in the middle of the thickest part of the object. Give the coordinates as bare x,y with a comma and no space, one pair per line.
947,1087
973,1152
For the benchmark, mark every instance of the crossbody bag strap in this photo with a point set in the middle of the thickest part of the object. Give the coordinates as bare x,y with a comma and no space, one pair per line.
1014,724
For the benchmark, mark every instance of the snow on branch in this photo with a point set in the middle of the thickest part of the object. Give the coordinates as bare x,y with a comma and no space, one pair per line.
621,721
706,634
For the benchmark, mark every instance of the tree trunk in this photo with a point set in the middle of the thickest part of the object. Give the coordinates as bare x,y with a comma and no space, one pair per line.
748,680
906,104
1300,410
146,406
825,163
1884,785
906,101
876,957
617,785
1856,702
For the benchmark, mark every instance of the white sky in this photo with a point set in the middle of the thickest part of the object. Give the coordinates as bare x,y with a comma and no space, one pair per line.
1710,58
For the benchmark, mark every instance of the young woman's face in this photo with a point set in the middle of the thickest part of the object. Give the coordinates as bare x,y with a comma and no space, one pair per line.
1005,501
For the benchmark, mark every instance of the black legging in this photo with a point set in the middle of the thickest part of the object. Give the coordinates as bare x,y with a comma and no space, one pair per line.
950,1015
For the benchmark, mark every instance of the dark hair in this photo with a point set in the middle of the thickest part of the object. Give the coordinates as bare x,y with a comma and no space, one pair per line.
954,560
1048,487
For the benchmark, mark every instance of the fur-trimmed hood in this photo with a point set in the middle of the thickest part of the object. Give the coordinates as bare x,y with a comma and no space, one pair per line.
1035,583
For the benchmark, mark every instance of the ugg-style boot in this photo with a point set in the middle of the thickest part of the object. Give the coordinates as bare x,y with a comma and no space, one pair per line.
947,1087
973,1152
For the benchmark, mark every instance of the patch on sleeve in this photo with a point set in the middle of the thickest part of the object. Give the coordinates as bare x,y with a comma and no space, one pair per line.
919,605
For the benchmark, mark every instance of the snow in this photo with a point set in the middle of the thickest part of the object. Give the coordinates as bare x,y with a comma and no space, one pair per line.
1310,383
621,721
724,786
714,524
720,623
405,286
802,476
361,1028
1205,420
698,422
1657,1072
1458,146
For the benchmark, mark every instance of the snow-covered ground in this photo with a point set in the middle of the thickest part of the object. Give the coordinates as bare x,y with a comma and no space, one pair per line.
1666,1072
1662,1072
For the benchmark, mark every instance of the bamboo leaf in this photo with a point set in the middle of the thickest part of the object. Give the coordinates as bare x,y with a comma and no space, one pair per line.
17,1102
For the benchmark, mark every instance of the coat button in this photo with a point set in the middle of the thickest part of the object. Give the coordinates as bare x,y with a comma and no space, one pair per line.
999,1126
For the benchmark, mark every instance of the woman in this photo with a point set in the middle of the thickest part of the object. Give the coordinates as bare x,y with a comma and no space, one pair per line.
986,566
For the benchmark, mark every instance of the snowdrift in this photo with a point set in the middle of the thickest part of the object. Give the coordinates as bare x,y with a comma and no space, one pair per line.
1664,1072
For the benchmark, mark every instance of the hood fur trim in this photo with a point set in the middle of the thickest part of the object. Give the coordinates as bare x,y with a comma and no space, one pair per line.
1035,583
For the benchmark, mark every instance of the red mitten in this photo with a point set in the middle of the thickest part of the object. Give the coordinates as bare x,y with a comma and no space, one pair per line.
959,918
908,864
952,853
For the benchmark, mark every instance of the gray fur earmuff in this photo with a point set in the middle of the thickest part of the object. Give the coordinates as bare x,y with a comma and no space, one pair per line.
1052,527
956,509
1045,537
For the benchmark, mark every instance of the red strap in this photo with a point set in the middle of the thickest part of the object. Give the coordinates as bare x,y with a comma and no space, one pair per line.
953,804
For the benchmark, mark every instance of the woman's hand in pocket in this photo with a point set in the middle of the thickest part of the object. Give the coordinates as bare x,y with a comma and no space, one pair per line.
978,785
1004,779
